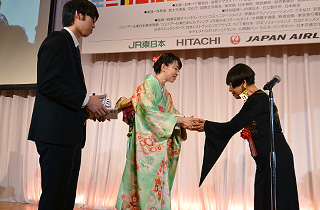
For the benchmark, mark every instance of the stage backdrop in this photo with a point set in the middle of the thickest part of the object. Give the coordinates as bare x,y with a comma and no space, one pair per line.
153,25
200,90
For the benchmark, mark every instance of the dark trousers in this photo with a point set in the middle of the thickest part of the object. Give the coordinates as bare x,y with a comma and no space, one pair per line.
60,167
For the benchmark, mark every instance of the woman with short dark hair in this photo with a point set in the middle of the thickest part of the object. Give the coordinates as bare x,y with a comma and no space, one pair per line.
254,119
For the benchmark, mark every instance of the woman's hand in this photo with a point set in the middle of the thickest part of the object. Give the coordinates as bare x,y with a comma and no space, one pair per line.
185,122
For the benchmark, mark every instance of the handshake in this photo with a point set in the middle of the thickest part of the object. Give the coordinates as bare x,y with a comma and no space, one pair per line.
98,108
191,123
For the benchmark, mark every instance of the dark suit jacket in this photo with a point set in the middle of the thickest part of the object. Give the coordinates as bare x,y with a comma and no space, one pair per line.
57,115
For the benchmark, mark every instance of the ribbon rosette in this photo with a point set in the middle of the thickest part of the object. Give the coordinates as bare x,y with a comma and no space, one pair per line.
156,58
246,135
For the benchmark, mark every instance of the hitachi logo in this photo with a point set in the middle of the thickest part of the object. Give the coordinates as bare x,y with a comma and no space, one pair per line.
198,41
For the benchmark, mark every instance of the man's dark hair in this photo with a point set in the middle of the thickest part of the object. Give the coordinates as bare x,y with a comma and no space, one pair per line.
83,7
238,73
167,59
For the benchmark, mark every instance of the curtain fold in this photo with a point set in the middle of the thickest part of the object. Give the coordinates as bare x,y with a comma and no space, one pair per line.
200,90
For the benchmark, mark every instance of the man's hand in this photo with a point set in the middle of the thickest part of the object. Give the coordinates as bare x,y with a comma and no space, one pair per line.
97,108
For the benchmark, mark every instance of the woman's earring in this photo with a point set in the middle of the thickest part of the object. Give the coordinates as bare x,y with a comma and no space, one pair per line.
244,95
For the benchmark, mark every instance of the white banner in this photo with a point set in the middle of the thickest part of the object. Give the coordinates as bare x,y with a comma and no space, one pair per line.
150,25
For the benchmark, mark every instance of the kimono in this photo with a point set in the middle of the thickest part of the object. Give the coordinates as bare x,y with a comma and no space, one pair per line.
153,151
254,116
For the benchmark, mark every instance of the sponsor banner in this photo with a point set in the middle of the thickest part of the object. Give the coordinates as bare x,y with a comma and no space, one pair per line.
275,38
199,42
152,25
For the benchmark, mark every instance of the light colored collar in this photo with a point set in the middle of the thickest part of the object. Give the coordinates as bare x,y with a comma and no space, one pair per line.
75,40
149,76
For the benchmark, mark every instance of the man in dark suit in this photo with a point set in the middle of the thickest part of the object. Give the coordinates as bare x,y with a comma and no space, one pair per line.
59,116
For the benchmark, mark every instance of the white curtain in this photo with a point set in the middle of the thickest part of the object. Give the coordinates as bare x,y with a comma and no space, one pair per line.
200,90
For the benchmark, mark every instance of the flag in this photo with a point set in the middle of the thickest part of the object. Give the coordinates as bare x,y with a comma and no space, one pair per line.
126,2
151,1
98,3
110,3
142,1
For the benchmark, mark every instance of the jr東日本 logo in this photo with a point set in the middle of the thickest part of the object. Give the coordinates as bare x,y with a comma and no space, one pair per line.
235,39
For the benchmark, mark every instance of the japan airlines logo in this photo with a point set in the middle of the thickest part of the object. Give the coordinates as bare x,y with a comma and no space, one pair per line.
235,39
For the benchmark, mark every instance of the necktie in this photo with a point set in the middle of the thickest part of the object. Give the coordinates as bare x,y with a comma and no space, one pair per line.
79,60
79,56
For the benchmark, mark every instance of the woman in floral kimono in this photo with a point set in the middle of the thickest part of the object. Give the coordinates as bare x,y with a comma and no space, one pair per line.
154,141
254,119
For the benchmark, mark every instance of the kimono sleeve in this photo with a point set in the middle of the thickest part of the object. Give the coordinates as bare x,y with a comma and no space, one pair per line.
148,115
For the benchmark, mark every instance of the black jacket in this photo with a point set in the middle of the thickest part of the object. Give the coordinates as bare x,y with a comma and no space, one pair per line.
57,115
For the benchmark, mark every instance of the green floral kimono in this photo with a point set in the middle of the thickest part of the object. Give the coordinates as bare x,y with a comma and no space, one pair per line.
153,150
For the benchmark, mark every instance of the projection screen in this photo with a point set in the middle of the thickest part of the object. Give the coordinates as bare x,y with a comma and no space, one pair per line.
23,27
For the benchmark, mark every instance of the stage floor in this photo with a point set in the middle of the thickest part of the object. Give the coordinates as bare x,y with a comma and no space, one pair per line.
23,206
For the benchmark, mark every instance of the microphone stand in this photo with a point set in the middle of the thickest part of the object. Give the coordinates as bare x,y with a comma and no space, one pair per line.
272,154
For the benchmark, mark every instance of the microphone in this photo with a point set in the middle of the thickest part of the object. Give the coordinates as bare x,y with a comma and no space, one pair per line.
269,85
